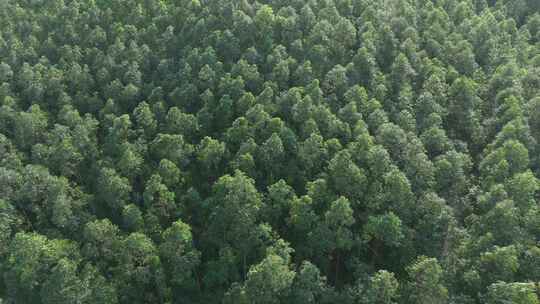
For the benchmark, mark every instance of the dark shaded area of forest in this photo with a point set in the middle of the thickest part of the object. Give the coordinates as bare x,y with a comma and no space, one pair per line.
269,151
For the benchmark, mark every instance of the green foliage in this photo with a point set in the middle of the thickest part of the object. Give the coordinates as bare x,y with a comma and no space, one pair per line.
519,293
114,189
270,151
383,288
178,254
425,282
271,279
386,229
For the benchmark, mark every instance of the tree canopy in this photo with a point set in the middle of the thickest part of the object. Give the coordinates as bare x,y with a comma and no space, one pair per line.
270,151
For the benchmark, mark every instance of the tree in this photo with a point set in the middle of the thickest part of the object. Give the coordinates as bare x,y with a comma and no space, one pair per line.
171,147
519,293
302,220
346,177
48,200
60,149
530,263
272,155
434,221
159,199
177,122
162,151
132,218
336,81
398,194
113,189
393,139
339,219
179,255
533,108
385,229
452,172
10,222
462,104
365,65
118,134
344,39
500,264
210,153
63,285
40,270
101,243
277,203
271,279
145,119
235,209
29,127
382,288
139,274
522,188
170,174
425,282
402,73
309,285
130,161
313,153
505,161
264,22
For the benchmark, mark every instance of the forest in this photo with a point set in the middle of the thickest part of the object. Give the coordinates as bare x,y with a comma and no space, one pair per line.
270,151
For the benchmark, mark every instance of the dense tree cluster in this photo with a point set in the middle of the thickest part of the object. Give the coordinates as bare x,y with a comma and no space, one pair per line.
270,151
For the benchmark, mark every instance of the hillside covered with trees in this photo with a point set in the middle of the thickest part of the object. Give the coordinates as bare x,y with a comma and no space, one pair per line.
269,151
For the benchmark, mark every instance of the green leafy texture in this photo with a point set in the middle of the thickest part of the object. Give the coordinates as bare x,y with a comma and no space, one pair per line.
269,151
179,255
519,293
383,288
426,282
271,279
